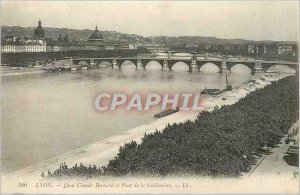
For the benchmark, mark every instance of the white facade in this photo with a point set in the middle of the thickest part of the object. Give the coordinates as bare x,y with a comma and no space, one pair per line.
8,49
35,48
20,45
23,48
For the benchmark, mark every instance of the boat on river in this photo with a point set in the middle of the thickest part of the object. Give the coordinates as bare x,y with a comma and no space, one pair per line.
166,112
217,91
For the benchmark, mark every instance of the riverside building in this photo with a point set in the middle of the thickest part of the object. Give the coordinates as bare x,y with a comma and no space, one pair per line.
14,44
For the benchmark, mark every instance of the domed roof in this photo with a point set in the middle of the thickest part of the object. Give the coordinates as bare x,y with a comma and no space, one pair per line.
96,36
39,31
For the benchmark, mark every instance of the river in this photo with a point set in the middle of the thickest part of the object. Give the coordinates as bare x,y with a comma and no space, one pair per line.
48,114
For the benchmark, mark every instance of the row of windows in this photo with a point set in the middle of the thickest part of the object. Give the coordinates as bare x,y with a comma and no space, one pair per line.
14,49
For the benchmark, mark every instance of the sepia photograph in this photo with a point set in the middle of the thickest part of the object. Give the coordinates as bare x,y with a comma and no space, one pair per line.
149,97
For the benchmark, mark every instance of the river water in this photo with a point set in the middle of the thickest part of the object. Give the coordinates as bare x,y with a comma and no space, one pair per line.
48,114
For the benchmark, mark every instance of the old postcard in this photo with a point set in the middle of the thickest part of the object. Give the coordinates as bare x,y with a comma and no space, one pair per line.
149,97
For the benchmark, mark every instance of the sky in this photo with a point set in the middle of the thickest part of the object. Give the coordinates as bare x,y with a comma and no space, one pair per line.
254,20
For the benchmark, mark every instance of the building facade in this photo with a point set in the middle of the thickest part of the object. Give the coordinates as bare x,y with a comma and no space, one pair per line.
14,44
28,46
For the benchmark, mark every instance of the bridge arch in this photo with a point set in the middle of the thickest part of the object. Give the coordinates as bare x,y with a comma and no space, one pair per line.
209,67
240,68
212,63
280,68
153,64
127,63
267,65
177,65
104,63
250,65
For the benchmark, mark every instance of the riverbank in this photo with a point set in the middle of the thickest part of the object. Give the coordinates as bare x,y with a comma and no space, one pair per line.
9,72
101,152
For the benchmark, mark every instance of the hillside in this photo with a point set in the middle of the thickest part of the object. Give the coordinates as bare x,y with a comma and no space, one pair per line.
77,35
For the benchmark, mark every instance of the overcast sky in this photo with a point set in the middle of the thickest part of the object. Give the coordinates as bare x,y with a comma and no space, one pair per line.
223,19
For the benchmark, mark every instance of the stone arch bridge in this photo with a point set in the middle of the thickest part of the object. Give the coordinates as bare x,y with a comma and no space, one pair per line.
193,64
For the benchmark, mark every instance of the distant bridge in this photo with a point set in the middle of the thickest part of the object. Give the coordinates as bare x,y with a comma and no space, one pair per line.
192,63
